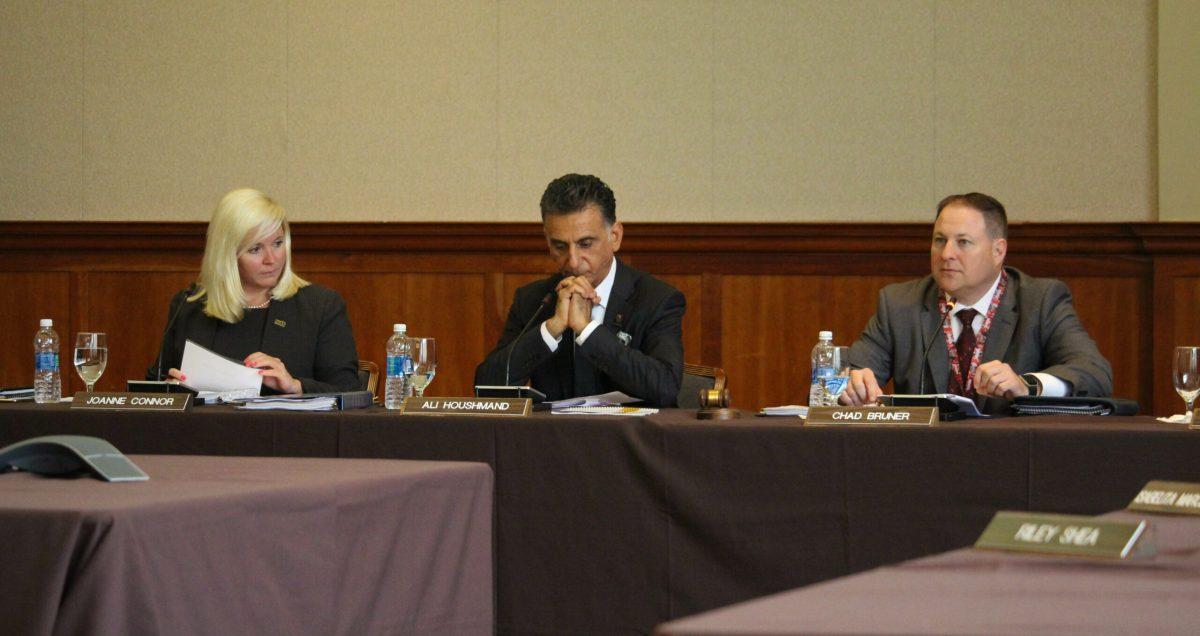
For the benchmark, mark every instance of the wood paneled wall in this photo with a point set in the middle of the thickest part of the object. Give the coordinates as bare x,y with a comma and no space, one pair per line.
757,294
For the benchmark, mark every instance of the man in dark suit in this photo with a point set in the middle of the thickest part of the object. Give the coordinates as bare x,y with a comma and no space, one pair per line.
607,327
992,333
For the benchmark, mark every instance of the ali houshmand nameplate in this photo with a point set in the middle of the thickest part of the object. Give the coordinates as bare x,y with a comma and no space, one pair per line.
1173,497
178,402
466,406
878,415
1068,535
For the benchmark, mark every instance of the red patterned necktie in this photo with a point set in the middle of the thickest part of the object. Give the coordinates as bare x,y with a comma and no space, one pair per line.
965,348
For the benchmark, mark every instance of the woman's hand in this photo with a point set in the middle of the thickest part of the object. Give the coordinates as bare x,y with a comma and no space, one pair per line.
274,373
176,374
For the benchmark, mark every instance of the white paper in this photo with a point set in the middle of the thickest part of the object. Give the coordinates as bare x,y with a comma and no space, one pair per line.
290,403
604,410
208,371
614,398
964,404
791,410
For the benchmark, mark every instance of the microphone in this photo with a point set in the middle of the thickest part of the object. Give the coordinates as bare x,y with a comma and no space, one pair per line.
950,305
508,358
181,297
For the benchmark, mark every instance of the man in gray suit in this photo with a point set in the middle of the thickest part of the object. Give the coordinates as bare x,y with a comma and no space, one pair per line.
974,327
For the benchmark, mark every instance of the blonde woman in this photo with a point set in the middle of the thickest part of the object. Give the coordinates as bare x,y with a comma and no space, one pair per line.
249,305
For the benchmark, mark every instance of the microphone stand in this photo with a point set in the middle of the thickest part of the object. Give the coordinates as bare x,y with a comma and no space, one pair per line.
933,338
512,347
158,385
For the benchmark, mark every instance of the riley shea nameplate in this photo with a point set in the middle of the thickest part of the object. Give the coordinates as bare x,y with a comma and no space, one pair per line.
1072,535
1174,497
887,415
466,406
178,402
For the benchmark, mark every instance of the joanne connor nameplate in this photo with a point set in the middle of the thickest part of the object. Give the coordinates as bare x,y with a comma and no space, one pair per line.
178,402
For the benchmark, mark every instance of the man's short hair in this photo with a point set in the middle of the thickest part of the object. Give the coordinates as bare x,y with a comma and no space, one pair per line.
994,216
571,193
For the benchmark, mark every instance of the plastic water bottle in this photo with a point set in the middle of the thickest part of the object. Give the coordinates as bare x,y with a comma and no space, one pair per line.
47,382
822,369
399,368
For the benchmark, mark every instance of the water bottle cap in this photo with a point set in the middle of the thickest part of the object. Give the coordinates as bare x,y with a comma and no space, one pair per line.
46,322
399,327
825,335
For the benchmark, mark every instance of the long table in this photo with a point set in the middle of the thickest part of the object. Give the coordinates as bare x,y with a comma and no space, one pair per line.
251,545
614,525
986,592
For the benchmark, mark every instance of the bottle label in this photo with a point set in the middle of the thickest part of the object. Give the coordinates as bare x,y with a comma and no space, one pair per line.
399,365
45,361
821,372
836,384
825,376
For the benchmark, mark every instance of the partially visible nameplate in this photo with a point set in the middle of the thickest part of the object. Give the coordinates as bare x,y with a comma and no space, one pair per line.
1072,535
466,406
1175,497
887,415
178,402
1195,423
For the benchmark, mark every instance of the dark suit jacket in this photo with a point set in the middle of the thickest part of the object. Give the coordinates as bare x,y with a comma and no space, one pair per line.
309,332
1035,330
650,367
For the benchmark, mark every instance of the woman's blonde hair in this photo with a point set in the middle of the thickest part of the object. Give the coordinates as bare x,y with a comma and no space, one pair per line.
242,218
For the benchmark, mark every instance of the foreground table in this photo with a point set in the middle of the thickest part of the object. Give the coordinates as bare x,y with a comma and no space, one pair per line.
607,524
235,545
985,592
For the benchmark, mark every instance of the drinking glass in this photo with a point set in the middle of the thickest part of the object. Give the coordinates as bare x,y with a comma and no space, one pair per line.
91,356
1186,373
424,363
832,387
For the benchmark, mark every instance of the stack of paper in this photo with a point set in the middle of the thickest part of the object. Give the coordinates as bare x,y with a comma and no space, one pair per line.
605,404
290,403
23,394
614,398
791,410
604,410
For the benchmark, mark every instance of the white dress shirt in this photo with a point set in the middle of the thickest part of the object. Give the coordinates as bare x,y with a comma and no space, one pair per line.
604,291
1051,385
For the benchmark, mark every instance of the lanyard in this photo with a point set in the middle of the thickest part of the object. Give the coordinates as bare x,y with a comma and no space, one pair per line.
980,338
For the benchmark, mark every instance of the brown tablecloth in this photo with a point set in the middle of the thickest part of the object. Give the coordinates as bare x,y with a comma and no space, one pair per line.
986,592
234,545
608,524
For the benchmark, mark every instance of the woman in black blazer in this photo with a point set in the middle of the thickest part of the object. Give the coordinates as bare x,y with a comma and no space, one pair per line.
249,305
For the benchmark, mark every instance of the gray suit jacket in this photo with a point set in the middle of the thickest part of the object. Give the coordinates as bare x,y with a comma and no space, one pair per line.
1035,330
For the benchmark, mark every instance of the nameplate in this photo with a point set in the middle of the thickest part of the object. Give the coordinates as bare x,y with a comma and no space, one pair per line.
1174,497
1072,535
885,415
1195,423
466,406
132,401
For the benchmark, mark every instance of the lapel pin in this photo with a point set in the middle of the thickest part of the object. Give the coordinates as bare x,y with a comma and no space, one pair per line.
280,323
624,338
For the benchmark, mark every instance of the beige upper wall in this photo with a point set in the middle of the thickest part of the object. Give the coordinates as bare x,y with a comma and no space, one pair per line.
693,111
1179,110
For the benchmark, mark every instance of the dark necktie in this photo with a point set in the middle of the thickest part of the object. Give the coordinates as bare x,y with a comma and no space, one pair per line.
965,348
